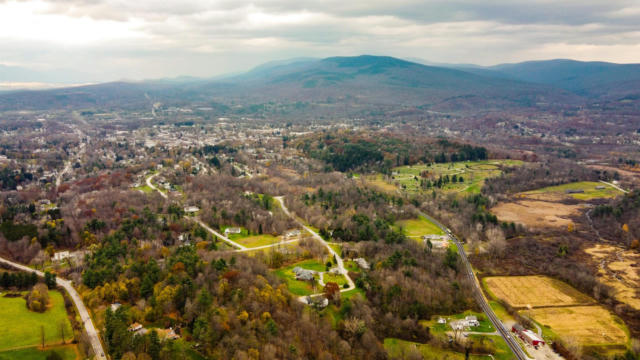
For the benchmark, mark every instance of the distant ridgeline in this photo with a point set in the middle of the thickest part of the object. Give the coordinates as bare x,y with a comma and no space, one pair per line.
351,151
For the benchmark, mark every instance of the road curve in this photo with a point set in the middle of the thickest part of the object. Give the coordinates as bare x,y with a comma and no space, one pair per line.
316,236
480,299
94,338
153,187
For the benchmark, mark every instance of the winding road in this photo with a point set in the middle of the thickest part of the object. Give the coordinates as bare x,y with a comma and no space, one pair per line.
91,331
316,236
479,296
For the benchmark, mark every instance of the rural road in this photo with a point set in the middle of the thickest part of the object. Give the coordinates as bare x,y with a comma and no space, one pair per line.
149,184
94,338
614,186
315,235
480,299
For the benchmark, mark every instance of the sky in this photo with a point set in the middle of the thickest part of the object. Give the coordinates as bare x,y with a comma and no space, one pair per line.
139,39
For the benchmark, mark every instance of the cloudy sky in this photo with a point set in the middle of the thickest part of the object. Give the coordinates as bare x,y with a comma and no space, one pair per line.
135,39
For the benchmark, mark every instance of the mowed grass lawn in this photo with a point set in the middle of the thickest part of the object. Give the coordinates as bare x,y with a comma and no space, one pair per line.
589,188
415,228
336,278
257,240
67,352
297,287
20,327
398,349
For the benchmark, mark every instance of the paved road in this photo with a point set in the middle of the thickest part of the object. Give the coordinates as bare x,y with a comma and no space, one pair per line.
222,237
94,338
339,261
480,299
150,184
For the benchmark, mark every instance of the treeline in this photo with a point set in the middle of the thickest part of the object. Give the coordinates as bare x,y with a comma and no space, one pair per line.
19,280
348,212
372,151
531,176
619,219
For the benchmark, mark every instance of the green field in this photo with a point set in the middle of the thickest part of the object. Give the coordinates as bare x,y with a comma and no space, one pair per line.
144,188
257,240
67,352
589,188
20,327
297,287
398,349
473,173
338,278
415,228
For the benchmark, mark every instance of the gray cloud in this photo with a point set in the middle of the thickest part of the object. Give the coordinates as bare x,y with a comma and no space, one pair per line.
142,39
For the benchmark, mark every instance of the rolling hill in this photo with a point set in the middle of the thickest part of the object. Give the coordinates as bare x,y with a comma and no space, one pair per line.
589,79
362,80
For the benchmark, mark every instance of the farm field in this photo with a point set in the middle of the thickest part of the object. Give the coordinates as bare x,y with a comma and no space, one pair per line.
473,173
589,189
415,228
589,325
617,269
67,352
551,206
534,291
20,327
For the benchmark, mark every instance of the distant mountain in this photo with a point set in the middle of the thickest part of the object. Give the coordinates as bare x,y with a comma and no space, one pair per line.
21,77
362,79
382,79
590,79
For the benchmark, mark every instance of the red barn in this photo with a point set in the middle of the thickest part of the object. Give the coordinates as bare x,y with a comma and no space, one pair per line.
527,335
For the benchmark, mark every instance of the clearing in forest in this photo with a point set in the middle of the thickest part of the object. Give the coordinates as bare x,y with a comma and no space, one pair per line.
534,291
583,190
552,206
469,175
536,214
415,228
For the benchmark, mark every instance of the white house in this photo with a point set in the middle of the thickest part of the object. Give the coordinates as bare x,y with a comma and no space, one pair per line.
61,255
362,263
232,230
191,209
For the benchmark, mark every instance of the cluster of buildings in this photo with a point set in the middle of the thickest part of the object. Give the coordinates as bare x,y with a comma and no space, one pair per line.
527,336
438,242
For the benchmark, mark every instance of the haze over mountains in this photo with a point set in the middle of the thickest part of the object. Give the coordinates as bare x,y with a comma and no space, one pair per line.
365,79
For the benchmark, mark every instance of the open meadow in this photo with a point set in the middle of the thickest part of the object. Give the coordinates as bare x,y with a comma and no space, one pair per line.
589,325
552,206
20,327
618,269
415,228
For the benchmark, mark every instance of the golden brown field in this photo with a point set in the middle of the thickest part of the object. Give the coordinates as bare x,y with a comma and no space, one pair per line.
589,325
536,213
619,268
534,291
